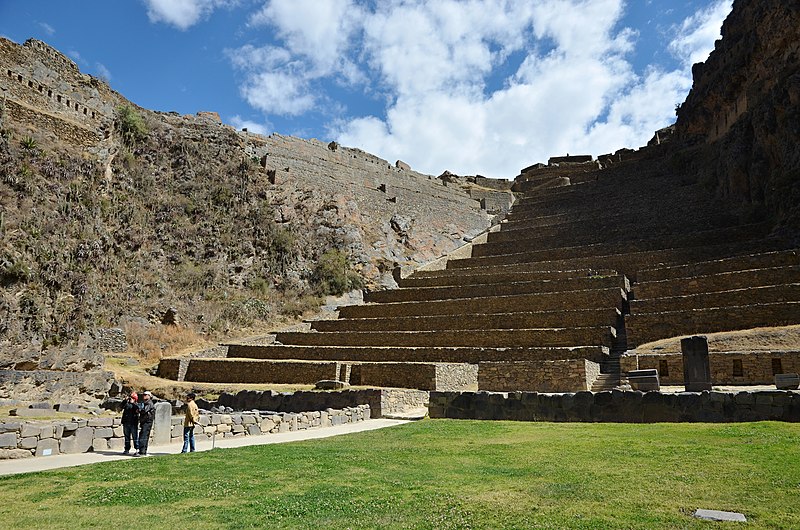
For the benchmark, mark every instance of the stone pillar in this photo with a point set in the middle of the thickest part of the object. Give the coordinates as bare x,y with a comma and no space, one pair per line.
162,426
696,368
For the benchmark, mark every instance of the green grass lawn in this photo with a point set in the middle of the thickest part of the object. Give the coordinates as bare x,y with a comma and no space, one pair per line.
439,474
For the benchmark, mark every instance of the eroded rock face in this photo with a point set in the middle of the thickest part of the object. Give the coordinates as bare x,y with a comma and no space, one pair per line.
71,358
743,112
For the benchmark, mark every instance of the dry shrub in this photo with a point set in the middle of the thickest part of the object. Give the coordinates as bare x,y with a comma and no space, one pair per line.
153,342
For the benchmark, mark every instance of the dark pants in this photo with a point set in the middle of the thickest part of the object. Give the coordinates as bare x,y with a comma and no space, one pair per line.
131,432
144,436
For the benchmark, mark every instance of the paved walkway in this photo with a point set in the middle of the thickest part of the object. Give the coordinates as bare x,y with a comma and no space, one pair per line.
13,467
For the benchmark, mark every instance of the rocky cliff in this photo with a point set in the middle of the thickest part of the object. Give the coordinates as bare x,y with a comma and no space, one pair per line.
113,213
742,116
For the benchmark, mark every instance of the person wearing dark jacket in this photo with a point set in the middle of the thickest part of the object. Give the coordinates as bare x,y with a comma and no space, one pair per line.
147,414
130,423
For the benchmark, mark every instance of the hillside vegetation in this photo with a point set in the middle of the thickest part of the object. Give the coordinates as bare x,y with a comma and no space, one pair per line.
168,224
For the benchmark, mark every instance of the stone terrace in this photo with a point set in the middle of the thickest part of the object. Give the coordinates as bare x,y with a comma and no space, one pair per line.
575,275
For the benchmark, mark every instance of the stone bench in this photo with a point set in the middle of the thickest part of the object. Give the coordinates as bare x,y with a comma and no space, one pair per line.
645,380
399,354
787,381
412,294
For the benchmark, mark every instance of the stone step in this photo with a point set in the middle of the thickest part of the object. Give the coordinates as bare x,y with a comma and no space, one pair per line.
594,299
422,376
605,382
615,227
627,263
781,258
611,186
494,338
648,327
541,247
413,294
629,199
724,281
454,277
397,354
287,372
734,297
525,320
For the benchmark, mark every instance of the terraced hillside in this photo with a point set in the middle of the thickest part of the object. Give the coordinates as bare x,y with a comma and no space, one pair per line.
574,277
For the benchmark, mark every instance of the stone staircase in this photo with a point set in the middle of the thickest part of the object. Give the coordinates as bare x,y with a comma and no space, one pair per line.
552,300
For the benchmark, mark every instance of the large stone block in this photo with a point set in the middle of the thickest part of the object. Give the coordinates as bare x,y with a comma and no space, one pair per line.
79,442
28,443
8,440
29,429
104,432
100,444
47,431
696,367
47,447
162,426
14,454
101,422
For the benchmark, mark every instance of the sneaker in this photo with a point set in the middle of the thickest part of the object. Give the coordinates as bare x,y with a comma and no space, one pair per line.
136,454
125,452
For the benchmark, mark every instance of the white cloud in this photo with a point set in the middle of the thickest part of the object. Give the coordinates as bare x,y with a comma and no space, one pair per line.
697,34
102,71
569,85
252,126
50,30
318,30
183,14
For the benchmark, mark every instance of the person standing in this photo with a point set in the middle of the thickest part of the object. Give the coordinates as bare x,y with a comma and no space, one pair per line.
147,415
192,416
130,423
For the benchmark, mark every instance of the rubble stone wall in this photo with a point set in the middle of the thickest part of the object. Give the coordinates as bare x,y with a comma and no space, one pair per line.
50,438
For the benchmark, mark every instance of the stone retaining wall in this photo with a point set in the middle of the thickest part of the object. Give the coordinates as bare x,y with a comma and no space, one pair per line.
49,438
618,406
737,297
757,261
724,281
544,376
647,327
389,399
399,354
727,368
259,371
423,376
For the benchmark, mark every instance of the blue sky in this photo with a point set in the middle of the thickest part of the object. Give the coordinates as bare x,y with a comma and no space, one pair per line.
471,86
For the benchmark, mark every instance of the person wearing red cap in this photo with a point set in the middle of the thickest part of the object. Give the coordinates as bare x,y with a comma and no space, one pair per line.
130,423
